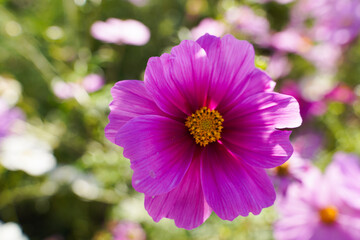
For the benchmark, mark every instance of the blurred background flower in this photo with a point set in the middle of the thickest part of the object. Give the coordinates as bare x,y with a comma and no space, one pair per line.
322,207
118,31
11,231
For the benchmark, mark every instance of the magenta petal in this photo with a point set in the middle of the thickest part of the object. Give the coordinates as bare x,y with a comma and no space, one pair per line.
229,71
335,232
130,100
272,109
160,150
297,227
259,82
344,175
250,129
231,187
185,203
178,82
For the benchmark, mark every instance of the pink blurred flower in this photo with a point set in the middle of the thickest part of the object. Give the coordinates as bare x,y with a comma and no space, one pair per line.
63,90
139,3
90,83
325,56
118,31
278,1
279,66
292,171
193,128
128,231
247,22
341,93
307,144
344,174
210,26
324,207
307,108
93,82
8,117
333,21
291,40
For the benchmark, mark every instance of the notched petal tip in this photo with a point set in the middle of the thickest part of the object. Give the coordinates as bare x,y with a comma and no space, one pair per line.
293,109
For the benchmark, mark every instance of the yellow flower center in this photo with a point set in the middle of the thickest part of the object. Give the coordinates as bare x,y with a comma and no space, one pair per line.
283,169
328,215
205,126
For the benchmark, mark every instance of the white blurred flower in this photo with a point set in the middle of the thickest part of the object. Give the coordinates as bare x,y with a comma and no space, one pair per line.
83,185
315,87
132,209
10,90
86,187
65,174
11,231
26,153
139,3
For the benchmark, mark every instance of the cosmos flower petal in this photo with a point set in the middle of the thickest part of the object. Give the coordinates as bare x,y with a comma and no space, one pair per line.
178,81
299,227
344,174
273,109
259,82
229,71
185,203
324,232
160,150
232,187
350,225
130,100
251,129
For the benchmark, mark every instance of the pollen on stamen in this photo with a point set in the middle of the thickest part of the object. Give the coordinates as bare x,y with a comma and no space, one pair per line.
328,215
282,170
205,126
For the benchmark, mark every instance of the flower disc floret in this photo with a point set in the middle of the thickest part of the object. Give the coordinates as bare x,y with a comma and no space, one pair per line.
328,215
205,126
283,169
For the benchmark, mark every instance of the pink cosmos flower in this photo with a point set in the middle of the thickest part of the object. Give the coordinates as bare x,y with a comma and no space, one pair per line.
92,82
128,231
247,22
200,130
210,26
292,171
341,93
118,31
308,143
325,207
